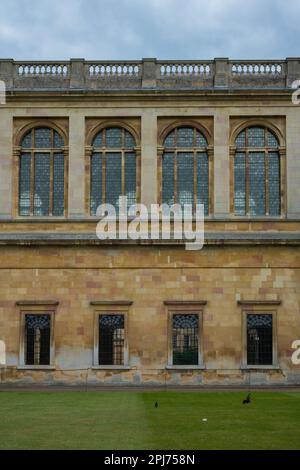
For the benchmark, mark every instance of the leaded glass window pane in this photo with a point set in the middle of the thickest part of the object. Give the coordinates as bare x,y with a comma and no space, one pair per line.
200,140
257,181
259,339
58,140
43,138
185,339
203,181
114,137
37,339
111,340
129,141
96,182
24,184
58,185
240,184
274,183
170,140
130,178
185,178
42,184
98,140
256,137
272,140
27,141
185,137
168,179
113,178
241,140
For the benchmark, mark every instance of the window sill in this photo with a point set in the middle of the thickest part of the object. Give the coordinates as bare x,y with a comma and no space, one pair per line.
275,367
41,218
199,367
41,368
111,368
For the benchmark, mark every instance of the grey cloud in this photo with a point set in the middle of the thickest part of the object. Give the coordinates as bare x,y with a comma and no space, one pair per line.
131,29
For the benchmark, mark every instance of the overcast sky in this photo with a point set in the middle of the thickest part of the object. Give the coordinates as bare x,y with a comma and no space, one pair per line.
133,29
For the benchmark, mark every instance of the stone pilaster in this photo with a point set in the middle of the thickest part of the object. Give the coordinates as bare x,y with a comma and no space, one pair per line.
221,165
149,158
293,161
77,165
6,163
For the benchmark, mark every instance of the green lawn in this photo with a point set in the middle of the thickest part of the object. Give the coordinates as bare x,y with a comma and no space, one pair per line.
129,420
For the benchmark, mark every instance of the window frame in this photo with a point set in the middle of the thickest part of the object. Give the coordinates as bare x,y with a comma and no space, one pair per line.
266,150
208,150
110,309
19,150
33,309
257,310
90,150
185,308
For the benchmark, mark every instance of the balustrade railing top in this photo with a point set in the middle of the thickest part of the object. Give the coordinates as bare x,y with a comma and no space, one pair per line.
149,74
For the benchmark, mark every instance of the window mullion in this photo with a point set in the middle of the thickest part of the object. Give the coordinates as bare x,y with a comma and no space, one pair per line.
175,178
267,199
51,201
247,176
123,172
32,182
195,178
104,177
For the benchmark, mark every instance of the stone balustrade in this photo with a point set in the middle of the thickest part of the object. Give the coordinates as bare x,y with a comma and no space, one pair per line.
149,74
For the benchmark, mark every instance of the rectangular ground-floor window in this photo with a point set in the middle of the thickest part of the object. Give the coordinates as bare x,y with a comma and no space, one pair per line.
37,339
185,339
185,334
111,334
37,335
259,334
111,339
259,339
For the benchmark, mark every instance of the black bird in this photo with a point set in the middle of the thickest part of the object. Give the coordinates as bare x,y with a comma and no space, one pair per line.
248,400
156,405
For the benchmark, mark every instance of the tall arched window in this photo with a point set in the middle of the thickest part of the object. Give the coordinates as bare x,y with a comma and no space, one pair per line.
185,168
257,177
42,173
113,168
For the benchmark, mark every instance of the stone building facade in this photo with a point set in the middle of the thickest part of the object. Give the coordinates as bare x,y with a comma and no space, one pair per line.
78,310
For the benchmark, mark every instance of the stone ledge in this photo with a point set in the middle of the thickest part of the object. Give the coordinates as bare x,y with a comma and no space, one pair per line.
117,303
37,303
211,238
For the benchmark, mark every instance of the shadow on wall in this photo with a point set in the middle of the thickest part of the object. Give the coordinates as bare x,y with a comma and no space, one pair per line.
2,354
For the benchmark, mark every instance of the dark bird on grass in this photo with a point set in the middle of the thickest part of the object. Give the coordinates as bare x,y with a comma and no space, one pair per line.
156,405
248,400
